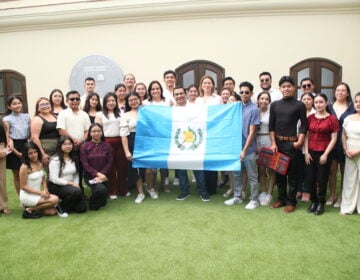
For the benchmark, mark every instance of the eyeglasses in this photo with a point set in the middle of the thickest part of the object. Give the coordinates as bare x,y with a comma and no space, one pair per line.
74,99
244,92
264,80
306,86
43,105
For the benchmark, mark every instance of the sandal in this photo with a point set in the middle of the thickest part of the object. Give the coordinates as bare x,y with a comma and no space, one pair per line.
6,211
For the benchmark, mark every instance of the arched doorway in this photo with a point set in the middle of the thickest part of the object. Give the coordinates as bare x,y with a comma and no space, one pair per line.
192,71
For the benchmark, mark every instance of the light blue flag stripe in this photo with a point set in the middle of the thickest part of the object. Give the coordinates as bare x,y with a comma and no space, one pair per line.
223,139
223,143
153,136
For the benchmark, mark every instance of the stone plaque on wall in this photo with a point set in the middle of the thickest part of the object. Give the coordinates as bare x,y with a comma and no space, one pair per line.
105,71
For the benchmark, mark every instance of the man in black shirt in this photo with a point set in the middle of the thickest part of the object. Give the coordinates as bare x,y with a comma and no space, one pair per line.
287,126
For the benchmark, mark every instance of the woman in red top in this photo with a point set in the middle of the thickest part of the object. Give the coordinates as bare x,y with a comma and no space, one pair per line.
319,142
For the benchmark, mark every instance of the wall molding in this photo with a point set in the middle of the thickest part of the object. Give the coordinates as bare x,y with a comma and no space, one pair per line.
35,15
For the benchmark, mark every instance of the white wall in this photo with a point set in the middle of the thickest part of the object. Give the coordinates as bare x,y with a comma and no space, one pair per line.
243,45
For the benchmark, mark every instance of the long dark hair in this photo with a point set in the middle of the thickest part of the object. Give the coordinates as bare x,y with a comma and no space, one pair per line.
323,96
9,101
87,102
60,154
25,157
89,138
62,104
150,98
106,110
131,93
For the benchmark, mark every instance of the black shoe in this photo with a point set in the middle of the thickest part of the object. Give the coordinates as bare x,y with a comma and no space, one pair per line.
320,209
183,196
312,208
30,215
205,197
60,212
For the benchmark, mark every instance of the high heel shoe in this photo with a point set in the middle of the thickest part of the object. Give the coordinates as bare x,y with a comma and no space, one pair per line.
320,209
312,208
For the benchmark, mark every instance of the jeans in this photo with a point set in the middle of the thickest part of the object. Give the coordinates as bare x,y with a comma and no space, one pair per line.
184,181
249,163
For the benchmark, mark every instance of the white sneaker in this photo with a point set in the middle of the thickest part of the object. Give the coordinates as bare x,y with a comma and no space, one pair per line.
127,194
262,197
176,182
140,197
152,193
267,200
252,205
112,197
166,181
233,201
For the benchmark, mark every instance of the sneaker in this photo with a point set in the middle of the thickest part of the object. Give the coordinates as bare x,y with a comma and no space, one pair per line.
262,197
228,193
183,196
153,194
252,205
176,182
166,181
268,199
205,197
60,212
140,197
127,194
113,197
233,201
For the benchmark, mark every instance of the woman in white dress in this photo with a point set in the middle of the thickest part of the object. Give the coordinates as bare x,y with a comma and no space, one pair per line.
34,193
351,145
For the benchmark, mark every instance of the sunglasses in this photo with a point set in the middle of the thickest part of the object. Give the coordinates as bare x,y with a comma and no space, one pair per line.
264,80
74,99
306,86
244,92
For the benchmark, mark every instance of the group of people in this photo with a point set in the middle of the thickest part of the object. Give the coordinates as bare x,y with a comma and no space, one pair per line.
74,139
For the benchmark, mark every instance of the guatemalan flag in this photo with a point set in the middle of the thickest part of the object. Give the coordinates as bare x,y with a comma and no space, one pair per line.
196,137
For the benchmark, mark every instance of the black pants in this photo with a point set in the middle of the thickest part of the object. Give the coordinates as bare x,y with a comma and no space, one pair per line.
211,181
317,173
72,199
99,193
291,178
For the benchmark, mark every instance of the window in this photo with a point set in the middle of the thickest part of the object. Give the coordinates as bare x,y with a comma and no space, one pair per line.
325,73
191,73
12,83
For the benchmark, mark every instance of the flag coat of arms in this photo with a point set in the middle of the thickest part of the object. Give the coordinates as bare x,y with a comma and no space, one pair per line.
195,137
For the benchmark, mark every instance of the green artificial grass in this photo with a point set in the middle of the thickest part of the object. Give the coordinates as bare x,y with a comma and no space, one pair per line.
190,239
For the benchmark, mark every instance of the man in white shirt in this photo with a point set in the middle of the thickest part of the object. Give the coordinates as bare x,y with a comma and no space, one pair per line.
265,85
170,81
89,86
181,100
307,86
129,82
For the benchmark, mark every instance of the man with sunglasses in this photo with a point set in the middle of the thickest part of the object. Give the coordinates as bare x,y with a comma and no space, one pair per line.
307,86
265,85
250,124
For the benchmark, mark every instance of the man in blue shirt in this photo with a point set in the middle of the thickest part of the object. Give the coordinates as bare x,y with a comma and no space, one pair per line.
250,124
